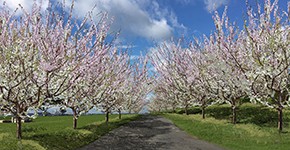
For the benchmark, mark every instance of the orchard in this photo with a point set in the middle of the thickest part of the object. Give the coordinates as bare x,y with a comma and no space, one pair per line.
49,57
229,65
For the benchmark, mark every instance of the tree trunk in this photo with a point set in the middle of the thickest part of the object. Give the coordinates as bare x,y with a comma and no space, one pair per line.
186,109
234,117
19,126
18,122
280,117
203,112
173,108
107,117
280,113
75,119
120,115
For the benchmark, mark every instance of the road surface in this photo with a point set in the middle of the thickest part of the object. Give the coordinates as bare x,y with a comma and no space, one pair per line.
149,133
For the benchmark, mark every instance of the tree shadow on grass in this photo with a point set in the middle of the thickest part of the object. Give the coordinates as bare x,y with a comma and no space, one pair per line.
249,114
68,138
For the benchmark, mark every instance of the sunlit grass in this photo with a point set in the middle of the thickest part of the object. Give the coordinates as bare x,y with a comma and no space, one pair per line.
234,137
56,132
32,144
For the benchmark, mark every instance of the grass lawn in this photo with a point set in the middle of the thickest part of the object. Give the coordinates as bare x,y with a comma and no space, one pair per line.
234,137
56,133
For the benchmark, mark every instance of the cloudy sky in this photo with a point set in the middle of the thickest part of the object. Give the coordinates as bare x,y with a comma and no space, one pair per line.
143,23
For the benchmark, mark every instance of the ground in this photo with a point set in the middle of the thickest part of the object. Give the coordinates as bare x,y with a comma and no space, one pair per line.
149,133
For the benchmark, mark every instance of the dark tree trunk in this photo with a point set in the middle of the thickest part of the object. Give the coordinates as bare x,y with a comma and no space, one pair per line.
107,117
75,122
234,117
186,109
280,111
18,122
120,115
75,119
280,117
203,112
173,108
19,126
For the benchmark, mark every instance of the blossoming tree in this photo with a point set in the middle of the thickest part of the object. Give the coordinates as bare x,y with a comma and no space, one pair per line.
42,56
267,43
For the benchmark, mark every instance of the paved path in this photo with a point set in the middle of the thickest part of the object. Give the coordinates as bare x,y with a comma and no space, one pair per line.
149,133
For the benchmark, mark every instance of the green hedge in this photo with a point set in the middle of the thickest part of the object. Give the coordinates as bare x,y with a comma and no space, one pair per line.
192,110
8,118
246,113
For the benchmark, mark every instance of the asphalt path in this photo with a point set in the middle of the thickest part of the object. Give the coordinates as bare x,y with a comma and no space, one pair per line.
149,133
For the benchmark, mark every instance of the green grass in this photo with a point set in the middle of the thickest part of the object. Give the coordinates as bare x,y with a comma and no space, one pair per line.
5,118
234,137
246,113
56,133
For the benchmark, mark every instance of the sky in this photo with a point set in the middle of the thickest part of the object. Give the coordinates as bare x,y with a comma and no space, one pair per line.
145,23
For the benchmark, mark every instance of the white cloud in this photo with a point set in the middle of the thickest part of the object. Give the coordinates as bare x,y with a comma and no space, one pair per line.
134,57
126,46
212,5
185,2
135,18
26,4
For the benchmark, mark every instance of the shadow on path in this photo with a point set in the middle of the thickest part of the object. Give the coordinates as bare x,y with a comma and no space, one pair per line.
149,133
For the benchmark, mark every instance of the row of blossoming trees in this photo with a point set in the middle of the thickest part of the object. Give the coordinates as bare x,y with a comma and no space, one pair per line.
230,64
49,55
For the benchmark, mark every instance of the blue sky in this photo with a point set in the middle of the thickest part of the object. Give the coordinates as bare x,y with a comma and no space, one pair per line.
144,23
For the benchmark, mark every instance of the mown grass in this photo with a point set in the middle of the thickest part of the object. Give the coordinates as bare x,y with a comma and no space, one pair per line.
5,118
56,133
246,113
243,136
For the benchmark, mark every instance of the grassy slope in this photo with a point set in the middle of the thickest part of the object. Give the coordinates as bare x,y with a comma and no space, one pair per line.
234,137
57,133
